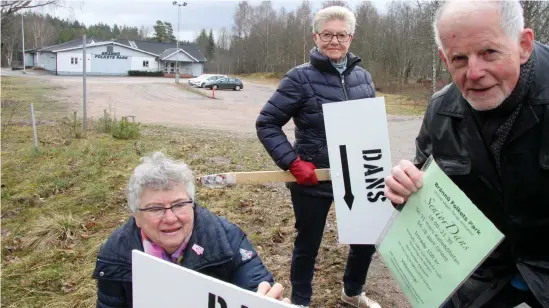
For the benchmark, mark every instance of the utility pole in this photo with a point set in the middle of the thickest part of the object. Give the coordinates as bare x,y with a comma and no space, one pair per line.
23,41
84,60
177,39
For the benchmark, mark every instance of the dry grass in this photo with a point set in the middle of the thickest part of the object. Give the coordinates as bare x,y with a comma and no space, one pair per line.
269,78
55,230
20,92
413,104
403,105
60,204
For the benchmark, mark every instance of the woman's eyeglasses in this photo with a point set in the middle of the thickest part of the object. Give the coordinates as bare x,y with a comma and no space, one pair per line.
157,212
328,37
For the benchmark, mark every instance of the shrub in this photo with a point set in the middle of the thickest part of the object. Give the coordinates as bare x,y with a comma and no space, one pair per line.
145,73
125,129
105,123
72,126
122,129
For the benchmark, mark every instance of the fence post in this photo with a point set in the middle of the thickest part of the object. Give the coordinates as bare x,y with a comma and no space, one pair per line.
34,135
84,72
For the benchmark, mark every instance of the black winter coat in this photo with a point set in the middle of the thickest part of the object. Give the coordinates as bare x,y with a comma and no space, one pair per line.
517,202
221,258
300,96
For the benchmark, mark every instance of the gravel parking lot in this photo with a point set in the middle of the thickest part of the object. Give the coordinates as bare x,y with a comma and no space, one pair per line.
156,100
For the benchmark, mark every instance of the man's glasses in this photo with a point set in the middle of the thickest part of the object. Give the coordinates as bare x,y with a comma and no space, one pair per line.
157,212
328,37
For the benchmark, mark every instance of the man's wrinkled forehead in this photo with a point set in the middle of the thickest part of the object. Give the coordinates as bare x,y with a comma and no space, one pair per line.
461,12
459,20
467,6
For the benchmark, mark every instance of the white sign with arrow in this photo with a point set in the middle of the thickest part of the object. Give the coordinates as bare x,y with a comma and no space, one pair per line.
360,159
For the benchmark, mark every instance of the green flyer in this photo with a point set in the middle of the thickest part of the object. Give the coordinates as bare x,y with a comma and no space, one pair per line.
438,239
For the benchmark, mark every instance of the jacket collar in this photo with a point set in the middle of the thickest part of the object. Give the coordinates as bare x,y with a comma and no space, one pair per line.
322,62
209,235
540,87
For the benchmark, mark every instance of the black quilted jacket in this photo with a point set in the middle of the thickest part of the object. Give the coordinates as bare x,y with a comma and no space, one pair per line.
300,96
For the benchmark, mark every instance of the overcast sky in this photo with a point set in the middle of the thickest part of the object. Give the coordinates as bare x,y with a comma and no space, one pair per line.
196,15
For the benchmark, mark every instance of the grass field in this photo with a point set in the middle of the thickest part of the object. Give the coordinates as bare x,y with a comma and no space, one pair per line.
60,203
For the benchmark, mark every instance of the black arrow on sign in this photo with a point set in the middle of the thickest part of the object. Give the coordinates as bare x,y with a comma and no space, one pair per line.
348,197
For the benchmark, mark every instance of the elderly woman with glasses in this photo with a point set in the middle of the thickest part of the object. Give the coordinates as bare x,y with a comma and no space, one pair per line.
167,223
331,75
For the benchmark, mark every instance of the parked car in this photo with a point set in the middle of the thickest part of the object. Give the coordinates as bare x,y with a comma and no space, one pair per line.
204,81
200,79
193,80
225,83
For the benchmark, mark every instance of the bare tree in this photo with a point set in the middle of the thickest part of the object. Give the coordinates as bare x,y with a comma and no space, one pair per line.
328,3
242,28
536,16
38,31
143,32
303,16
11,37
9,7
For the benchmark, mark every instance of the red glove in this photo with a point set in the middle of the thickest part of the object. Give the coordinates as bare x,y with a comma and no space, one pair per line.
304,172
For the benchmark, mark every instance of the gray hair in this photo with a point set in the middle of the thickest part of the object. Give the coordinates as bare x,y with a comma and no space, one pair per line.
159,173
335,12
511,15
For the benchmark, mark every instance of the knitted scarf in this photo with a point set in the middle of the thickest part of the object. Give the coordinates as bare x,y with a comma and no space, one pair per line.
515,98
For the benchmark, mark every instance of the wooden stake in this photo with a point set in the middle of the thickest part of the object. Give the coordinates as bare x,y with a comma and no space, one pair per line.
34,135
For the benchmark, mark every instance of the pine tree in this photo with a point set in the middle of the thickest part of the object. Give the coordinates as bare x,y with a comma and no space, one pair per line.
115,32
210,50
202,41
159,32
170,38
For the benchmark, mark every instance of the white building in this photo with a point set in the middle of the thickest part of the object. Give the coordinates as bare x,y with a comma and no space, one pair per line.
117,57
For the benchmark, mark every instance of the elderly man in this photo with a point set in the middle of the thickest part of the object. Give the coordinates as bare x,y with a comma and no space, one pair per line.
489,132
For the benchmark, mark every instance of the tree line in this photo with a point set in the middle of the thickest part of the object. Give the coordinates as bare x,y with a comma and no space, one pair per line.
46,30
396,44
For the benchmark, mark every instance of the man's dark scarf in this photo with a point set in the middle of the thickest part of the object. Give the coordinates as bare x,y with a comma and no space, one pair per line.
496,124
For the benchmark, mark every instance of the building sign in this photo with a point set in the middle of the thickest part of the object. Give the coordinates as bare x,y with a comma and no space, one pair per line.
111,55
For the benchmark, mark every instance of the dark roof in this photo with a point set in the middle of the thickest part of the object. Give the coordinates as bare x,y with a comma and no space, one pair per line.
160,48
69,44
157,48
167,52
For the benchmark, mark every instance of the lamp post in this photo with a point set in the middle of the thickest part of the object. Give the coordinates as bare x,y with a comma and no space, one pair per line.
179,5
23,41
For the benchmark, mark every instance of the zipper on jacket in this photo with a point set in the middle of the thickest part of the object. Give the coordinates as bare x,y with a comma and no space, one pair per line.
343,85
211,264
114,263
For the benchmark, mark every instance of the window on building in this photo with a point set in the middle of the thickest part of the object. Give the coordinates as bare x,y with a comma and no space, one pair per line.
74,60
145,63
109,49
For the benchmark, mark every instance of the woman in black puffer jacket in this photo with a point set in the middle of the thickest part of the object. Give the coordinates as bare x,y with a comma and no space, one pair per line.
332,75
